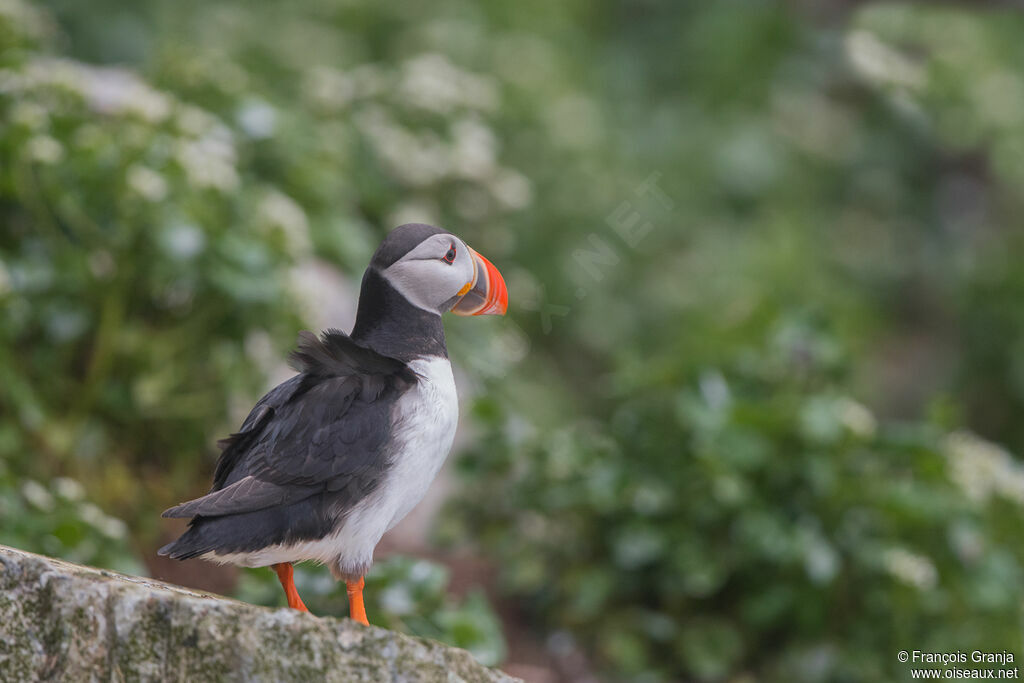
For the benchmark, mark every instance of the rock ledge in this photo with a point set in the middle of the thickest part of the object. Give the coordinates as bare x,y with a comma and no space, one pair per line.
61,621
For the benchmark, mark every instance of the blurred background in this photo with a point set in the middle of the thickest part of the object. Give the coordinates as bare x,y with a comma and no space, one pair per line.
756,412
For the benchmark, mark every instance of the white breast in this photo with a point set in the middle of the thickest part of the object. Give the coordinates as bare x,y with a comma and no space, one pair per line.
424,421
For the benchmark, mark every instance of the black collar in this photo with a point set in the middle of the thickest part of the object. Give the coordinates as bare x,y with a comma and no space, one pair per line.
392,326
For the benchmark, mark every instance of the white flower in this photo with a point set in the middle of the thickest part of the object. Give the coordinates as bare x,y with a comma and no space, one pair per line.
68,489
474,149
511,189
827,418
29,115
714,389
209,162
112,527
983,469
193,121
257,118
183,241
420,571
29,20
429,82
910,568
280,210
91,514
37,495
116,91
329,89
397,599
878,62
106,525
45,150
821,562
433,83
814,123
416,160
147,183
106,90
967,542
857,418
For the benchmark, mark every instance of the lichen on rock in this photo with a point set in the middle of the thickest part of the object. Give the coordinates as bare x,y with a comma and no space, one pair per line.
60,621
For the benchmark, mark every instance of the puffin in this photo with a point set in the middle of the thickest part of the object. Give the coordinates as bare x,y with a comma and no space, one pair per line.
331,459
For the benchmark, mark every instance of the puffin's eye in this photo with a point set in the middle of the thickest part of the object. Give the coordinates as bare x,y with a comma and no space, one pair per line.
449,258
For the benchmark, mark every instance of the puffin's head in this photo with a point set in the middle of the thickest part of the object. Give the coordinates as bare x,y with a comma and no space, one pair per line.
438,272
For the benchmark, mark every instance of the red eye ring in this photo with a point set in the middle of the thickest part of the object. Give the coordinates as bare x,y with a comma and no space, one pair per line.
449,258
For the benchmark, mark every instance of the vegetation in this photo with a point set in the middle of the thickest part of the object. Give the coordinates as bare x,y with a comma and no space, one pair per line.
765,276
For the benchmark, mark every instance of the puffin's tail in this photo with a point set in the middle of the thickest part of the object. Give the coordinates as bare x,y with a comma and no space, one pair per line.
190,544
248,532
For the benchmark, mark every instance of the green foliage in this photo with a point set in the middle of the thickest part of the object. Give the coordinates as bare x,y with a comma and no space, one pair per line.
136,265
58,521
755,519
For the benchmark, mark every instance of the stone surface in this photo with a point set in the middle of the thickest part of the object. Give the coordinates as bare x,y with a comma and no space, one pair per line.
65,622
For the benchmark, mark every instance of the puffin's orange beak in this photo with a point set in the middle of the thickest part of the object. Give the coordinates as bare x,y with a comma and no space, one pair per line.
486,294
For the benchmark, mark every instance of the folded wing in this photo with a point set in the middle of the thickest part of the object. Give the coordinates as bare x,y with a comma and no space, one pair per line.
323,430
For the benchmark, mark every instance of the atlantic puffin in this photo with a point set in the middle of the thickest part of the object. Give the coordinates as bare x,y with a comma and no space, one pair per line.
331,459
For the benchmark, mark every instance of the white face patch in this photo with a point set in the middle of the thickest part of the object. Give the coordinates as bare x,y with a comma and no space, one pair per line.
426,279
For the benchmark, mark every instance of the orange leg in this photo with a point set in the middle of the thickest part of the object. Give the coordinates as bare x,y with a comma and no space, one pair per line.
355,601
286,574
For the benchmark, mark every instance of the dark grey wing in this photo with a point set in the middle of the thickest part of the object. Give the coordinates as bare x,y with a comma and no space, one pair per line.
239,443
323,430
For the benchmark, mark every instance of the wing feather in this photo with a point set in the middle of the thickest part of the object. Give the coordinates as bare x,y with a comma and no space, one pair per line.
322,430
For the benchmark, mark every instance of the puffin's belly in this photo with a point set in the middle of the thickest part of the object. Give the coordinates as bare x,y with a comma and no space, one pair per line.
424,428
